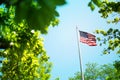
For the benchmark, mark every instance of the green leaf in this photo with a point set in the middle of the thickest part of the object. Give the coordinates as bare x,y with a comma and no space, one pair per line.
97,2
91,5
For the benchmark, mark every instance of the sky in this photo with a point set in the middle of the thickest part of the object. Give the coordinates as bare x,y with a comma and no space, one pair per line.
61,41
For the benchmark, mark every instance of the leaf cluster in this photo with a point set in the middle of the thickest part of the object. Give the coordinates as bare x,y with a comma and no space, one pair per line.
38,14
117,66
105,7
92,4
111,38
24,54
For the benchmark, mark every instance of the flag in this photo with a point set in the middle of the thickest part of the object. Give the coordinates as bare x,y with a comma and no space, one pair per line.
87,38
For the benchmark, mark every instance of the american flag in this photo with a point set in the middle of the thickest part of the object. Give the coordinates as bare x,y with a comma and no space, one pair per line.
87,38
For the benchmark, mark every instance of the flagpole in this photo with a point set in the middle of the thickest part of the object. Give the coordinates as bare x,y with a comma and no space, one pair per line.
82,75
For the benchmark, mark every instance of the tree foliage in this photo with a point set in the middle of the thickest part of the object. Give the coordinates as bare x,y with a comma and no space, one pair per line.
25,58
109,10
38,14
112,35
112,38
91,72
117,66
94,71
21,25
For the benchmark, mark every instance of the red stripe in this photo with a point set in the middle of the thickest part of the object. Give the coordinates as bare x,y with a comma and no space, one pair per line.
83,40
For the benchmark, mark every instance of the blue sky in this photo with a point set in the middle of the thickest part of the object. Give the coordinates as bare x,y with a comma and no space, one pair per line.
61,41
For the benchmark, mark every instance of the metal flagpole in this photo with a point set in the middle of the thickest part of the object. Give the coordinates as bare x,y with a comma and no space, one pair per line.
82,75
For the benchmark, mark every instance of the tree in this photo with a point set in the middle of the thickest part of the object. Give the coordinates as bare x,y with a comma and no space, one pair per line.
112,35
117,66
76,77
91,72
57,78
21,25
105,72
26,57
94,71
